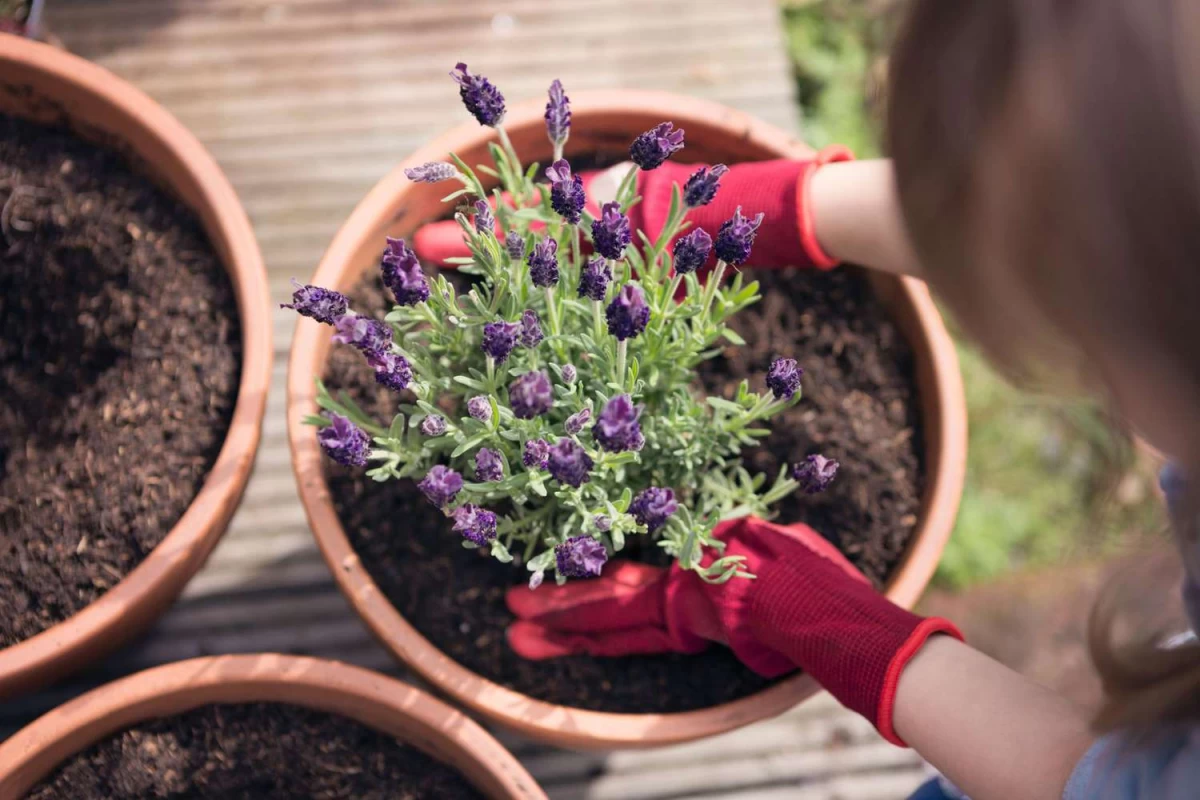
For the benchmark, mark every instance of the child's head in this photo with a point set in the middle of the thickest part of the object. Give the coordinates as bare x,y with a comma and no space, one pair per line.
1048,162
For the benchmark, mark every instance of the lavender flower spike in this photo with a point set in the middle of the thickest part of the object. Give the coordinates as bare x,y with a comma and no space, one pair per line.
576,422
628,313
569,463
736,237
344,442
530,395
323,305
650,149
441,485
363,333
531,329
594,279
653,506
402,273
489,466
391,369
477,525
569,373
480,408
580,557
433,425
702,186
481,98
815,473
566,191
692,251
499,339
485,221
536,454
617,428
610,233
543,263
558,114
783,378
514,243
431,172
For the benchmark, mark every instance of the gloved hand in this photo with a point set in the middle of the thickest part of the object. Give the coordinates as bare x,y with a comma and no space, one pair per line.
807,607
778,189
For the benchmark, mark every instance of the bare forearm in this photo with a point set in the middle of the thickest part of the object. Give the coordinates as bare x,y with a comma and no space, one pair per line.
988,729
857,218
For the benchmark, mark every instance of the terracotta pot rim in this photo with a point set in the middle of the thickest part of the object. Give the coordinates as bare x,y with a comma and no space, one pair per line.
51,653
548,722
34,751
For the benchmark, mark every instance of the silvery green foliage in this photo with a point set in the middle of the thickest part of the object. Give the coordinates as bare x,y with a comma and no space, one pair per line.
673,437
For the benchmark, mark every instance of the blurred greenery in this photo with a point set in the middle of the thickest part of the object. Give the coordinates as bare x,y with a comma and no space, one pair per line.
1047,479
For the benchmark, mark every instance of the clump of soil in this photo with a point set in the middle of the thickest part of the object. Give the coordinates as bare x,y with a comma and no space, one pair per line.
119,364
253,752
860,407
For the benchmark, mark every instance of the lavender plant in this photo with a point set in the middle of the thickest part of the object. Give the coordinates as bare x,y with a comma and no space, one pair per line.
552,411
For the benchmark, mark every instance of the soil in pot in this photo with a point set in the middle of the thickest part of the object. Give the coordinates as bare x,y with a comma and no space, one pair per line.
119,367
260,751
860,406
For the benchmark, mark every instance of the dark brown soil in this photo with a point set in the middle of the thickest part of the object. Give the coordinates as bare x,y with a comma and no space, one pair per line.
253,752
860,407
119,365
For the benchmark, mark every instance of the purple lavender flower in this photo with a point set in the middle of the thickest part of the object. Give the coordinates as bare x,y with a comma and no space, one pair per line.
610,233
594,279
365,334
543,263
433,425
481,98
653,506
702,186
489,466
499,339
617,428
569,463
628,313
692,250
815,473
537,453
530,395
650,149
558,114
603,522
783,378
485,221
480,408
323,305
344,442
441,485
391,369
577,421
531,329
568,373
580,557
514,243
736,237
476,524
431,172
402,273
566,192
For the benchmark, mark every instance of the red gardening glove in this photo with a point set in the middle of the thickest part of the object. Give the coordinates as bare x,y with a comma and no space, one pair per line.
807,608
778,189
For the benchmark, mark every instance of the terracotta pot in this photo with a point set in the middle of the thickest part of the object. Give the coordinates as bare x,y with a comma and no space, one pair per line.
605,122
42,83
375,700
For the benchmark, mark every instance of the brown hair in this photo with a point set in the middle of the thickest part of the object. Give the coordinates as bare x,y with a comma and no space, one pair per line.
1047,155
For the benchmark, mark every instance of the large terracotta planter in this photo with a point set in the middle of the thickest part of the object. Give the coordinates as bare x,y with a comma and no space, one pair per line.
605,122
375,700
44,84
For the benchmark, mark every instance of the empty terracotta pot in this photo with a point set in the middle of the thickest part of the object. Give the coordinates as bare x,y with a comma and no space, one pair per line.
605,122
46,85
375,700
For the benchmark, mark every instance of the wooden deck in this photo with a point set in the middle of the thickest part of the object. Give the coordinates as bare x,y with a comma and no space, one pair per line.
306,104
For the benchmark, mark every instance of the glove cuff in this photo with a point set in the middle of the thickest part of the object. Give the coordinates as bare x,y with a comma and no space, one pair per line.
805,222
891,679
